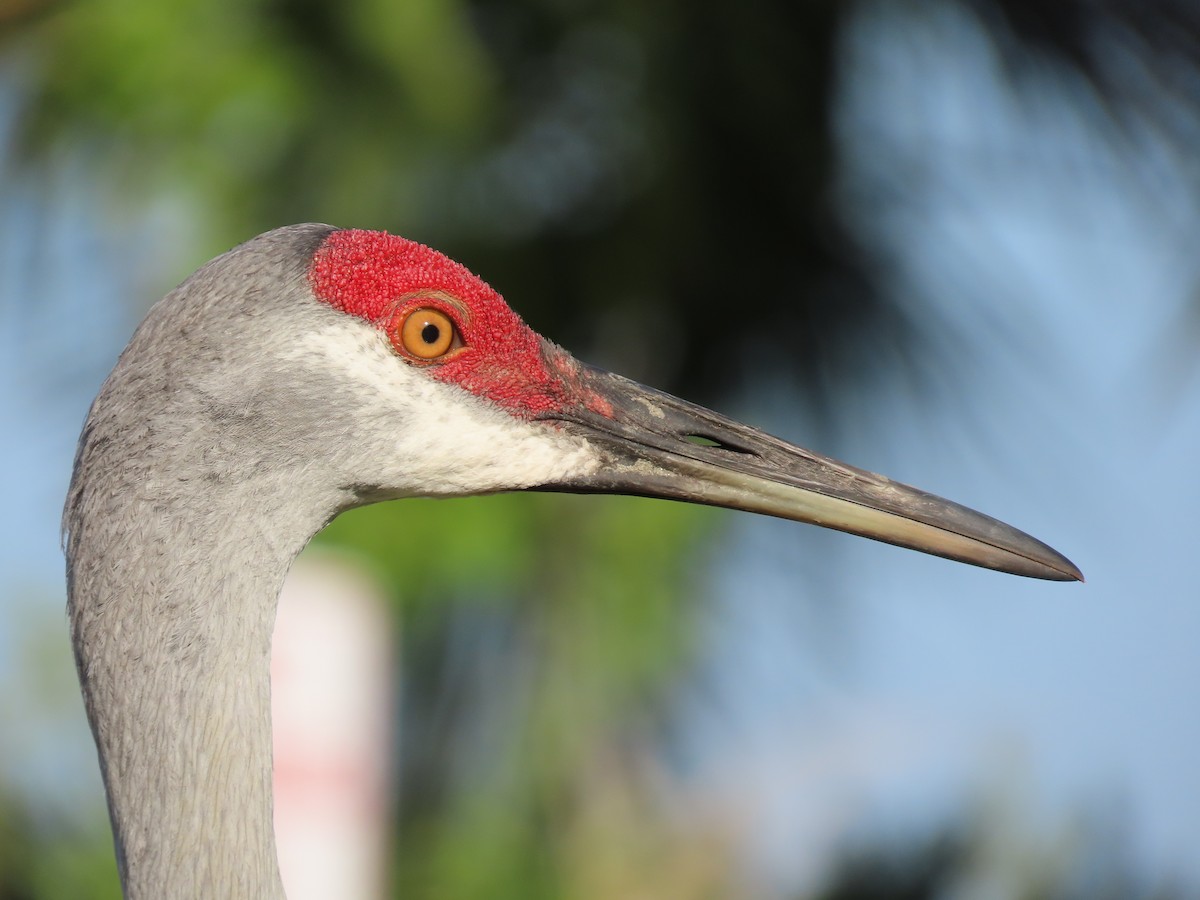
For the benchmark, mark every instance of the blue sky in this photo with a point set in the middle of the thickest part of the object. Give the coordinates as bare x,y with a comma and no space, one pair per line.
861,687
890,695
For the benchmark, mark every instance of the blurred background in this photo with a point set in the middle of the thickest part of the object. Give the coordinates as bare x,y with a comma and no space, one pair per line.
953,241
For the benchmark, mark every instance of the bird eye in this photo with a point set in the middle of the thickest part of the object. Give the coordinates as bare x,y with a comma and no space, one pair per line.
427,334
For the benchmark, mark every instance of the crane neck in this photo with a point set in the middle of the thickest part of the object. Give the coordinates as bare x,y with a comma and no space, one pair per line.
172,638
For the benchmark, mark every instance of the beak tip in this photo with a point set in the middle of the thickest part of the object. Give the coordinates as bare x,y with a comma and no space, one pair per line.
1063,569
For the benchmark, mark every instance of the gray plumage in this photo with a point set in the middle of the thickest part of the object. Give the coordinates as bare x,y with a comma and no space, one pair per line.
196,467
243,416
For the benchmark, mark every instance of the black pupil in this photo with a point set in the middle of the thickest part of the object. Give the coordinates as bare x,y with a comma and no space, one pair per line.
430,333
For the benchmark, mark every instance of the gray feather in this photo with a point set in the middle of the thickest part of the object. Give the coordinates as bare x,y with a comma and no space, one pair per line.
193,488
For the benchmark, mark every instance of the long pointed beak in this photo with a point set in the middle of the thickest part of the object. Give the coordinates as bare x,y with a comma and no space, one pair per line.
657,445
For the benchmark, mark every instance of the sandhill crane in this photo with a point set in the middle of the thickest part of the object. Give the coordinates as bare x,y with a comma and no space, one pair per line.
315,369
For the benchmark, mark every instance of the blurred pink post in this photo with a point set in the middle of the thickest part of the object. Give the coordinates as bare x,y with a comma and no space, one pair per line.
331,673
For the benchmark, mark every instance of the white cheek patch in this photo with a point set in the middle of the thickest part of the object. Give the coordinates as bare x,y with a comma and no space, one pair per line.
414,435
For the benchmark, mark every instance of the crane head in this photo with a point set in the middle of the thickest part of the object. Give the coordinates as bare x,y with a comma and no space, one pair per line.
490,405
310,370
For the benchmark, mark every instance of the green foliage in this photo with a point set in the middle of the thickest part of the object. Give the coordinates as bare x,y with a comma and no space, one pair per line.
434,549
597,593
49,860
264,109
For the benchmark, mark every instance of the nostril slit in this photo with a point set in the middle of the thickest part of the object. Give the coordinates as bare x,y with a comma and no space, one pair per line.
704,440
